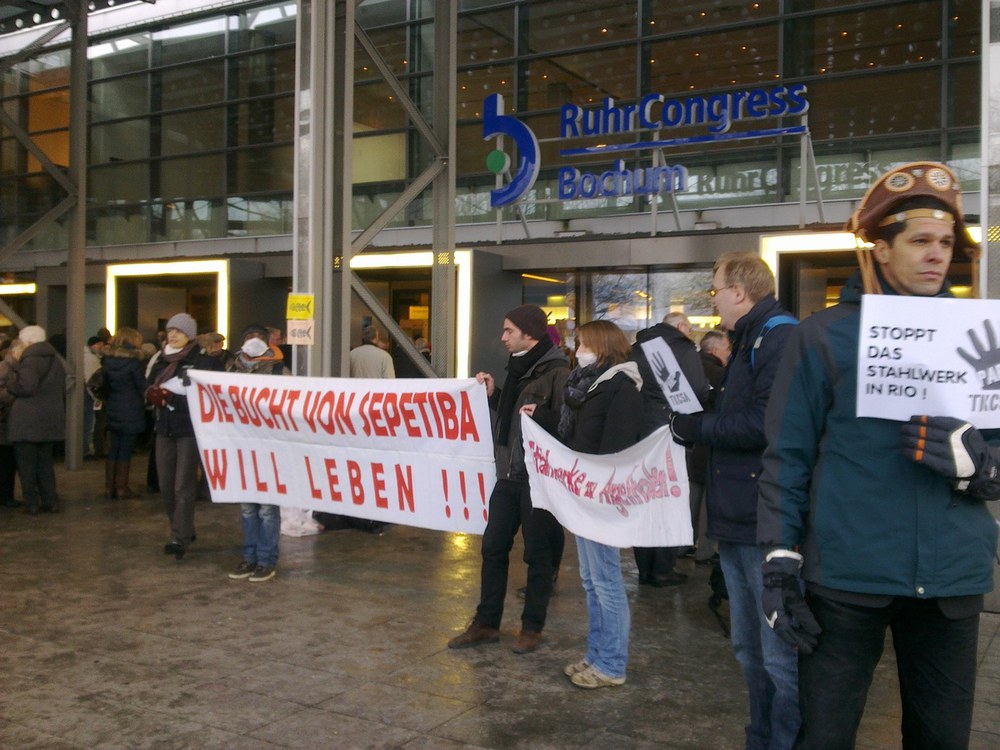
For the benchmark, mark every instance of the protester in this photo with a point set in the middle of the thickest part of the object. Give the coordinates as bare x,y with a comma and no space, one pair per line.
536,374
9,355
37,418
370,360
92,353
601,413
261,523
743,290
176,450
656,564
124,366
887,522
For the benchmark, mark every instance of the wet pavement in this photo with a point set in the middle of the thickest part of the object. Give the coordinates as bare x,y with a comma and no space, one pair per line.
105,642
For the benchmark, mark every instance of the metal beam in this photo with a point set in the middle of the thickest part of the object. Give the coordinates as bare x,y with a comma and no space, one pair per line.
31,232
403,200
25,140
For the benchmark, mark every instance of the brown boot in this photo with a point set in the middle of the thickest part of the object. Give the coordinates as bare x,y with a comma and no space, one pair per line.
527,641
110,467
121,481
475,635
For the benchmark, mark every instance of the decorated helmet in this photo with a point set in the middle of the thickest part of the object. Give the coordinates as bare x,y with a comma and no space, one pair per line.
903,184
883,205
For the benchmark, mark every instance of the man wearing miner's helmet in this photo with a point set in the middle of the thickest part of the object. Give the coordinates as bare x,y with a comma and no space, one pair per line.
885,526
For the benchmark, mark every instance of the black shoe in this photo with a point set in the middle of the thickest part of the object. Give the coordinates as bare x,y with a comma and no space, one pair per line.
49,509
31,511
673,578
11,503
688,552
174,548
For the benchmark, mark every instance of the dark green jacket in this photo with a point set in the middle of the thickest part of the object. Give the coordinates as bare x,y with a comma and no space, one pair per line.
869,520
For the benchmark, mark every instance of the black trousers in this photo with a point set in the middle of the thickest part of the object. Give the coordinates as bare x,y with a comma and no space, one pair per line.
38,476
935,659
510,509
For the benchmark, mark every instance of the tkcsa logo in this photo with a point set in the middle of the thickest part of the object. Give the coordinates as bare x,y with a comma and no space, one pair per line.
497,124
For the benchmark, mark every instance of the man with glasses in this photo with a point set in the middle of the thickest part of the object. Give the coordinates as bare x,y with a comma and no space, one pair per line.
758,326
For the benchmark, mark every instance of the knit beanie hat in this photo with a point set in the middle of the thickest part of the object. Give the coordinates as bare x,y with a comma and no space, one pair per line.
32,335
185,324
531,319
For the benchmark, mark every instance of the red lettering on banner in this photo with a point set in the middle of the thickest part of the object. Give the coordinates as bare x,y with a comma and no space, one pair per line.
404,488
444,485
215,469
333,480
390,412
313,489
407,416
482,495
261,486
329,412
210,404
243,471
354,478
378,470
465,494
420,399
468,422
281,489
365,427
378,425
280,412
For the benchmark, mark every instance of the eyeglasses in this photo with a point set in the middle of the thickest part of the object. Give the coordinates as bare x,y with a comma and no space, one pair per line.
712,291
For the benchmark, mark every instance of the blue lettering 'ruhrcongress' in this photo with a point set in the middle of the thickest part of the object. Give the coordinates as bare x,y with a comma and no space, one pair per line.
654,112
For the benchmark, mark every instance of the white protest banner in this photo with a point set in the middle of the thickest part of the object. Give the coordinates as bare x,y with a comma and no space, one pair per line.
676,388
412,452
929,355
635,498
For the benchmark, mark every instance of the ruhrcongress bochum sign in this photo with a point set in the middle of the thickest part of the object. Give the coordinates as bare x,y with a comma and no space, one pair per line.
652,115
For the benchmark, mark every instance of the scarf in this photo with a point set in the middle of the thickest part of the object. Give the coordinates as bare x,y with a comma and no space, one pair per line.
173,358
271,360
577,386
517,368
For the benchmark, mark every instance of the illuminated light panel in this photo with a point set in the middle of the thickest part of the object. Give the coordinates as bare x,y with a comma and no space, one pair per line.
27,288
549,279
172,268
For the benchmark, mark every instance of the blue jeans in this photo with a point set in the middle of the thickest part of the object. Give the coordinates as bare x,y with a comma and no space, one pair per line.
607,606
769,664
261,529
935,660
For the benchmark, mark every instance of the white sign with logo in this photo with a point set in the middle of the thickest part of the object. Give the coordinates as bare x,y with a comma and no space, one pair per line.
669,376
929,355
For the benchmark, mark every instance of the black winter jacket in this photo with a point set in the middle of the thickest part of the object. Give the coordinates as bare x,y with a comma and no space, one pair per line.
125,408
174,419
610,418
38,382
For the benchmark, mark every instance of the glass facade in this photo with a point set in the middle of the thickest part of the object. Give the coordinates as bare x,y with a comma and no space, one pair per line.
192,122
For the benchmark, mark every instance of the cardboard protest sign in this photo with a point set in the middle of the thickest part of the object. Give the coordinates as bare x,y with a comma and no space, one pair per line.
412,452
667,371
929,355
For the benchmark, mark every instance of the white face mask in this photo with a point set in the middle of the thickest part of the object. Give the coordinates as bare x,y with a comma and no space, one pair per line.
254,347
586,359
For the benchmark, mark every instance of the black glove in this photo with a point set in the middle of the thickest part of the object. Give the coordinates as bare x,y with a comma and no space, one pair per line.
955,449
784,607
684,428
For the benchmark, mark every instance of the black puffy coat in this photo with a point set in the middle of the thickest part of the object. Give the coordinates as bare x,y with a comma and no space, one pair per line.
174,419
125,408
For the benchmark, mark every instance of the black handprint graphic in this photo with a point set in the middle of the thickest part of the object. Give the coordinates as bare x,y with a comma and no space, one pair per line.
986,363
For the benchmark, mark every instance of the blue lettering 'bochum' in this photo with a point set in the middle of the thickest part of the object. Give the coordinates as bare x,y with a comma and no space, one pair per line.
620,181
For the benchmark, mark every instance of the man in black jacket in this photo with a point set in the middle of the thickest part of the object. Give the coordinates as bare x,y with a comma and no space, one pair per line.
656,564
536,374
743,290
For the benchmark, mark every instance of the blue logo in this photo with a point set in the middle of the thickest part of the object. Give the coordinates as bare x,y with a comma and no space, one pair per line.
496,124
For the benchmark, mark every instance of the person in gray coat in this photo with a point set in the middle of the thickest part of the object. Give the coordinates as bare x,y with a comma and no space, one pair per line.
37,418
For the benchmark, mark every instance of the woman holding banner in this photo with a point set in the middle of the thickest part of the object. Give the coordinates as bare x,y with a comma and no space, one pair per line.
602,413
176,449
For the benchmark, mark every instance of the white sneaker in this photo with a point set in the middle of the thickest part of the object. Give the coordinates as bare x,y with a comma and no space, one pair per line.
591,677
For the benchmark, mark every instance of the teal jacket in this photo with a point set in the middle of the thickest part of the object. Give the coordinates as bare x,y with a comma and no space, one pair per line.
867,519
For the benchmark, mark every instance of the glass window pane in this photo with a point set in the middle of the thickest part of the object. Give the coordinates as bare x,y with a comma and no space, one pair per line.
193,220
260,170
127,54
264,73
476,84
268,26
392,45
119,141
200,130
372,13
55,146
728,58
192,85
122,97
583,78
836,110
125,183
964,95
565,24
668,16
48,110
193,177
195,41
485,36
376,108
265,121
965,28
